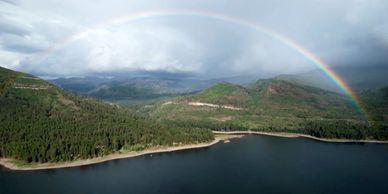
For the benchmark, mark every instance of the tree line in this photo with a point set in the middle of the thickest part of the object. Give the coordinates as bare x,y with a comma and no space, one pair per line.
40,128
337,129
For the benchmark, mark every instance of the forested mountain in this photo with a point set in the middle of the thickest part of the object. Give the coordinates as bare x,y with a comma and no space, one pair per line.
277,105
40,122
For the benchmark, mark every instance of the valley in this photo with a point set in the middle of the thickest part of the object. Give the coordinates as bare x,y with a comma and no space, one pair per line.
63,129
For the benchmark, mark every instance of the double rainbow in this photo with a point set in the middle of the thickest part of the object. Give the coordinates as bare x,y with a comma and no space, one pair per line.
325,68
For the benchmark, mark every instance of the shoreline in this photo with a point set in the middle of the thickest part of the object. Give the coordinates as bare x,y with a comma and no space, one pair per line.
219,137
297,135
7,162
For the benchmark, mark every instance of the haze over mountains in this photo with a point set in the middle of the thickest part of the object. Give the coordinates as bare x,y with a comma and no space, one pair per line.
154,86
140,88
358,77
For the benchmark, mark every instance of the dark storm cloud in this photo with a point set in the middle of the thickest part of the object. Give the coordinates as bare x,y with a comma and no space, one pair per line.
369,49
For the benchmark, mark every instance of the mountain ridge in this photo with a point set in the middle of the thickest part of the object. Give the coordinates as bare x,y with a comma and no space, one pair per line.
276,106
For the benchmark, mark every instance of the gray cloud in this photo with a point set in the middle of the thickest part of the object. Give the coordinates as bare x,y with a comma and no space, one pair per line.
24,44
36,36
8,26
12,2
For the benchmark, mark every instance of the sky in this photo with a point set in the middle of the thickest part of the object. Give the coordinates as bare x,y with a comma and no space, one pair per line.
88,37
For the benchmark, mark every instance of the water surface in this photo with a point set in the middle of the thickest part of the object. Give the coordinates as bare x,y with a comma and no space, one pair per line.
253,164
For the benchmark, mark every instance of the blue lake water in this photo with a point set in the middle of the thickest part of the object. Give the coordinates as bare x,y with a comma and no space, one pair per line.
253,164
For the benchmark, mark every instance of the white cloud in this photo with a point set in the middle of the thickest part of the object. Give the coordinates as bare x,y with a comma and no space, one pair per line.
133,48
9,59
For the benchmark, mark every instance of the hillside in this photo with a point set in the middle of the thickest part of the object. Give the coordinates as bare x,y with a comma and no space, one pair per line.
276,97
377,101
225,93
271,105
43,123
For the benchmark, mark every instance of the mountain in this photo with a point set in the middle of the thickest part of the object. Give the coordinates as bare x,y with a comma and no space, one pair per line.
80,85
146,88
223,93
272,97
273,105
133,88
41,122
377,102
138,88
158,86
359,78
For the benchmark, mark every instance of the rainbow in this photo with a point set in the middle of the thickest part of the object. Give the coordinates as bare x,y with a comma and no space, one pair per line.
325,68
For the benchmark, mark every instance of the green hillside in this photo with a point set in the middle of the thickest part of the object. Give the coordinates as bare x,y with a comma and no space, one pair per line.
40,122
276,97
272,105
223,93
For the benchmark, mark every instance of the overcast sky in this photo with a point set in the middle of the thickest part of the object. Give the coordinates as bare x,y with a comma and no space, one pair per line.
38,36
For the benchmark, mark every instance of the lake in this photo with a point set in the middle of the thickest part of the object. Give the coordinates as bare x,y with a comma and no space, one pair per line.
253,164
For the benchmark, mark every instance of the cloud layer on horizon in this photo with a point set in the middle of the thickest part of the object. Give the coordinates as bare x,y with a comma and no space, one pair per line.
35,36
